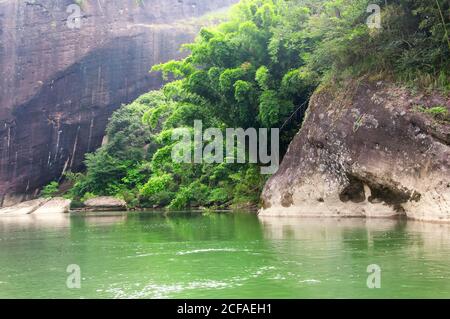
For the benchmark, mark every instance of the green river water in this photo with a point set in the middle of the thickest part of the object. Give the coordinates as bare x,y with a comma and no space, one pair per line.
221,255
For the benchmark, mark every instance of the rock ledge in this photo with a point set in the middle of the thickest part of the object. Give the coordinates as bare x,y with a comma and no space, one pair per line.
105,203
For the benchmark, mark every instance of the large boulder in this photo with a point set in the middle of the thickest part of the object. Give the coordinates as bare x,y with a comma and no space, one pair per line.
366,149
60,84
105,203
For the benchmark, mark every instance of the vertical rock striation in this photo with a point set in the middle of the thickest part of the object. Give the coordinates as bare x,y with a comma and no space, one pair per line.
59,85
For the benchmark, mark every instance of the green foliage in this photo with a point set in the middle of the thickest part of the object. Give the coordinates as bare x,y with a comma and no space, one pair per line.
262,77
156,185
219,196
158,191
249,184
50,190
437,110
104,174
121,164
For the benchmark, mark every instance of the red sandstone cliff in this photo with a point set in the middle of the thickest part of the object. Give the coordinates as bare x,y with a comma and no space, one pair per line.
59,85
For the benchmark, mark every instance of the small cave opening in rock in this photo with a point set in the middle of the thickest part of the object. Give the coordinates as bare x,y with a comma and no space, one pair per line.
354,192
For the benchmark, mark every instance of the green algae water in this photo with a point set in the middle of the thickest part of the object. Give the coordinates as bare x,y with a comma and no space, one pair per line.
221,255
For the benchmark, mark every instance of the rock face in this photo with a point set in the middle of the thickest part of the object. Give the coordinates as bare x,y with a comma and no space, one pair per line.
366,149
57,205
59,83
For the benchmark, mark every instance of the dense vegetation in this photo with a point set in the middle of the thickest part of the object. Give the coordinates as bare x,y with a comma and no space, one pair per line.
259,69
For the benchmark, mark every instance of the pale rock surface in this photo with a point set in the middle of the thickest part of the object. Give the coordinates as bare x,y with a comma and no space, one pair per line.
57,205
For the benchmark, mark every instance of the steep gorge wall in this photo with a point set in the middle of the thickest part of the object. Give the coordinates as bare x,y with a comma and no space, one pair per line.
59,85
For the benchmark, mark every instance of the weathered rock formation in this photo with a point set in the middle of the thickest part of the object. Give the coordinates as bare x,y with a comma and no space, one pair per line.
105,203
60,84
366,149
40,206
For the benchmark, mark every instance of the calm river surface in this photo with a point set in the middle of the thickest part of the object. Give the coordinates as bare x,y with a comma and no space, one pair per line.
227,255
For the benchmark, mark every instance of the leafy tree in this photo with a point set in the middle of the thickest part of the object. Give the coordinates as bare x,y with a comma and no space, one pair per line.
257,70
